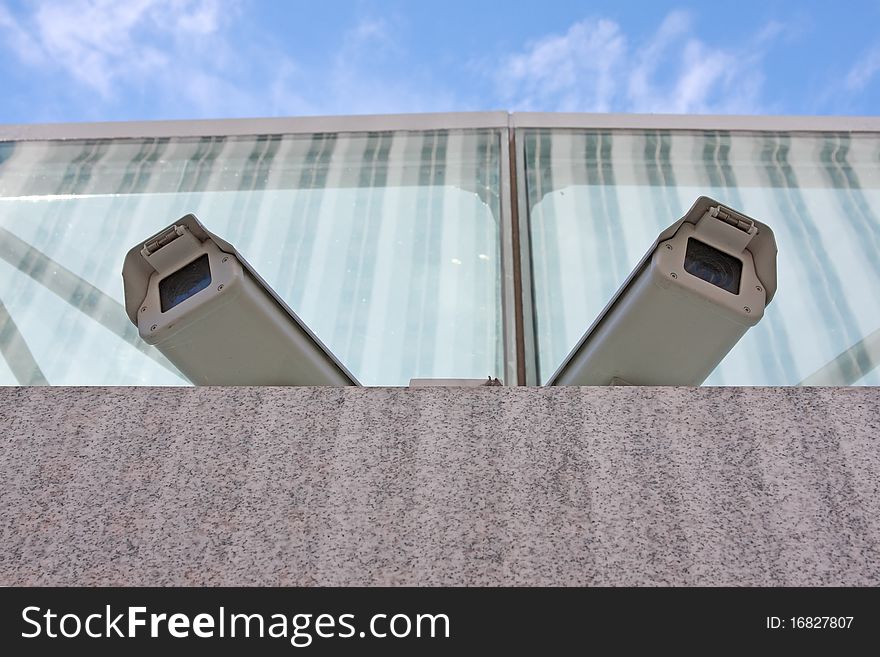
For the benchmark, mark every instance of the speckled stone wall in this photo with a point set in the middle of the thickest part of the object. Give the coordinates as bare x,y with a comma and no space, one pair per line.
467,486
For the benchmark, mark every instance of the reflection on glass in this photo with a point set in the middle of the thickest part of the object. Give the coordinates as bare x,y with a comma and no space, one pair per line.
385,244
597,201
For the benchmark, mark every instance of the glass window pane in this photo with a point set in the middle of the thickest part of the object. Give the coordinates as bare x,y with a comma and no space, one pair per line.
385,244
598,199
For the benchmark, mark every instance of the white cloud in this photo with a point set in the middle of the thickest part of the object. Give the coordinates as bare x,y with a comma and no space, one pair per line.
359,78
102,43
640,87
864,70
176,56
572,71
594,67
18,39
192,58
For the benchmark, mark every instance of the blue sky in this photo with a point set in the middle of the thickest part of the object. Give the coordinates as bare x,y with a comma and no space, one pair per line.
92,60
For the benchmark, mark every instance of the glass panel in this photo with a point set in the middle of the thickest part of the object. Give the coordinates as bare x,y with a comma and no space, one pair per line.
386,244
597,200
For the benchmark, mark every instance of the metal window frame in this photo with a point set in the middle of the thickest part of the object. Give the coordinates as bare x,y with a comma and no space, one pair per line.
433,121
517,298
696,122
303,125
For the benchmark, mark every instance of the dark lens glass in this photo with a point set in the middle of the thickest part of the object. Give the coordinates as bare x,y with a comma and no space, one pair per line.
184,283
714,266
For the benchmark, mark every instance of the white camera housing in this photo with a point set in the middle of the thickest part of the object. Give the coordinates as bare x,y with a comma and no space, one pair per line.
225,326
669,326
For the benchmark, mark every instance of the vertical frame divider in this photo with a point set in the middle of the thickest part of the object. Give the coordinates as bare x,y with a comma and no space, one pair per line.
510,296
521,358
528,354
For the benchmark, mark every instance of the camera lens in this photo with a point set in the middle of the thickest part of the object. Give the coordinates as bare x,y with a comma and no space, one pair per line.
184,283
713,266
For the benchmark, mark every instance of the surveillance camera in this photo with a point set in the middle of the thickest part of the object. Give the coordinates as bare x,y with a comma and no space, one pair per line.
703,283
195,298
